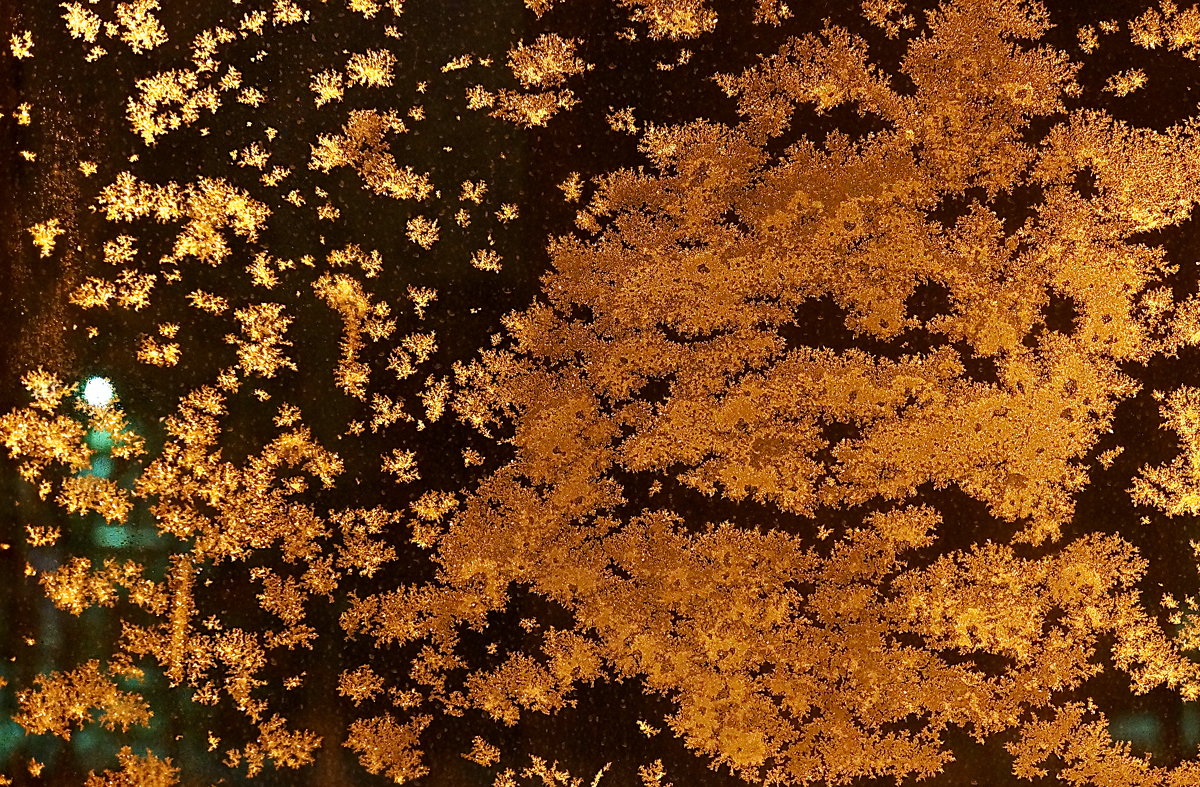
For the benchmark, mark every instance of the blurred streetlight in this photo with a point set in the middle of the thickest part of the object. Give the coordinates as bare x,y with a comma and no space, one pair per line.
98,392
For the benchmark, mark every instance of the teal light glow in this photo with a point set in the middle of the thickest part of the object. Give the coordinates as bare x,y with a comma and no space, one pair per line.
99,441
98,392
101,466
110,537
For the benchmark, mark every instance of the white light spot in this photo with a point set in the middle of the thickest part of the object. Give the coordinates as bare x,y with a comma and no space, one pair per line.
98,392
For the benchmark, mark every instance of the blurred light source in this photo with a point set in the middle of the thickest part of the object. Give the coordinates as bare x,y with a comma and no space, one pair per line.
101,466
99,441
110,537
98,392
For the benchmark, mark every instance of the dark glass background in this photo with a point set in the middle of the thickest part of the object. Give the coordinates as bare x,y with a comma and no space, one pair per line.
78,114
